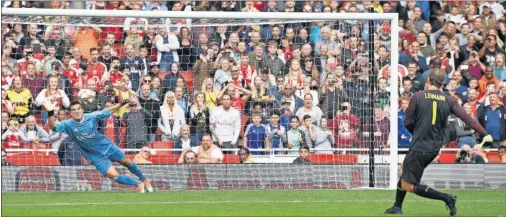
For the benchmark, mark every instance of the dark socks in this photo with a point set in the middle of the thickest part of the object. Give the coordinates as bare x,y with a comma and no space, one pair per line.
399,195
428,192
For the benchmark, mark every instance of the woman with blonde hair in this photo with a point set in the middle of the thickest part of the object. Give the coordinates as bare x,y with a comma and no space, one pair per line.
500,67
222,74
295,75
210,93
198,117
53,93
172,117
258,91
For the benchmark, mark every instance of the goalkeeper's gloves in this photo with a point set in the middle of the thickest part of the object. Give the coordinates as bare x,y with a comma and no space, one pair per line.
487,138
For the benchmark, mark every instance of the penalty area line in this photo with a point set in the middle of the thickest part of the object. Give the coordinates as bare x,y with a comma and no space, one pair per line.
230,201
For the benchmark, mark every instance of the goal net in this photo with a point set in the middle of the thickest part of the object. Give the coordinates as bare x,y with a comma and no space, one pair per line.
271,82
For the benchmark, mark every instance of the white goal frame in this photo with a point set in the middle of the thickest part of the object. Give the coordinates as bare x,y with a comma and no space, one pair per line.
394,47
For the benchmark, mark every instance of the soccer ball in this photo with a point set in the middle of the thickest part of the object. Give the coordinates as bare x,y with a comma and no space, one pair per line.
86,95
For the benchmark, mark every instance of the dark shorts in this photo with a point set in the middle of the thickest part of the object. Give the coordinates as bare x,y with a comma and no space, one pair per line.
414,164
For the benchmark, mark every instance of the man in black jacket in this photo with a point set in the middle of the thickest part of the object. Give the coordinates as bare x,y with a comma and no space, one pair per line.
151,105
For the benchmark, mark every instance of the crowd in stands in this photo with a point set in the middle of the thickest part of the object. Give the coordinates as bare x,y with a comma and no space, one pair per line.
206,86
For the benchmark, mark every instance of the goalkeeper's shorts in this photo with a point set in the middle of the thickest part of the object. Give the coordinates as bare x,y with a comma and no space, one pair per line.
414,164
102,163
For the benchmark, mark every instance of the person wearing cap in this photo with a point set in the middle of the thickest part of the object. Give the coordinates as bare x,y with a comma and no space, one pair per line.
154,69
289,96
134,119
488,19
144,155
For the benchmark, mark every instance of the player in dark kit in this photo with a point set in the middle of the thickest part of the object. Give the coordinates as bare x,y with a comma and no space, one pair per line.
426,118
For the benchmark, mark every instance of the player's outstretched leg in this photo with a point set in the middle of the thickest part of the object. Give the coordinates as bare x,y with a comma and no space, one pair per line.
428,192
400,194
125,180
134,169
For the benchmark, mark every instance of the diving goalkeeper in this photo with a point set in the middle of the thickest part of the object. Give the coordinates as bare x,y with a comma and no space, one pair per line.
99,150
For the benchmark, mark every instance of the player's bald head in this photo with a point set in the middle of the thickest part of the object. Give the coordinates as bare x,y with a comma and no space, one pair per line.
436,78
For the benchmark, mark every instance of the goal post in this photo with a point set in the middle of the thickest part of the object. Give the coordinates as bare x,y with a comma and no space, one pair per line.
241,18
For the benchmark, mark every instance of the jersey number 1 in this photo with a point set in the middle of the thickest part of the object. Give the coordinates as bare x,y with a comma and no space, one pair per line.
434,112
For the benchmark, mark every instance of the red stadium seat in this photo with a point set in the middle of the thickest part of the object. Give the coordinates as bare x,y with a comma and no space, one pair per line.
162,75
453,144
447,158
334,159
188,79
231,159
164,159
162,145
493,157
33,160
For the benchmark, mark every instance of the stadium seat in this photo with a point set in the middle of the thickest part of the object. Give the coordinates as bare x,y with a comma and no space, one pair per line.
188,79
162,75
493,157
453,144
334,159
231,159
162,145
34,160
164,159
447,158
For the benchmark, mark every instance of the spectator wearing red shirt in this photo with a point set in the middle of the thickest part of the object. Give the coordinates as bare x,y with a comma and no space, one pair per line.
96,69
472,100
236,78
239,96
27,60
67,70
345,127
248,71
115,73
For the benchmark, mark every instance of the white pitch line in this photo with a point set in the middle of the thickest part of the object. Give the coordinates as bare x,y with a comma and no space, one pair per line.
230,201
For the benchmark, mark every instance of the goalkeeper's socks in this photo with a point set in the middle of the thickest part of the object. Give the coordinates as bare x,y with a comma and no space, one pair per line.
125,180
134,169
399,195
428,192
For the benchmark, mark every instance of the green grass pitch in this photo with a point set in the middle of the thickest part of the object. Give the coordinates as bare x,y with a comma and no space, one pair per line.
245,203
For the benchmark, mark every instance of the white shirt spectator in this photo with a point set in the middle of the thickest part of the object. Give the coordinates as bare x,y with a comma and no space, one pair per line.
39,100
315,113
170,122
172,46
227,124
458,19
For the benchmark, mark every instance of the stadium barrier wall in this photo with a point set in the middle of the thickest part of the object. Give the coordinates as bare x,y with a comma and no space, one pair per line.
247,176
